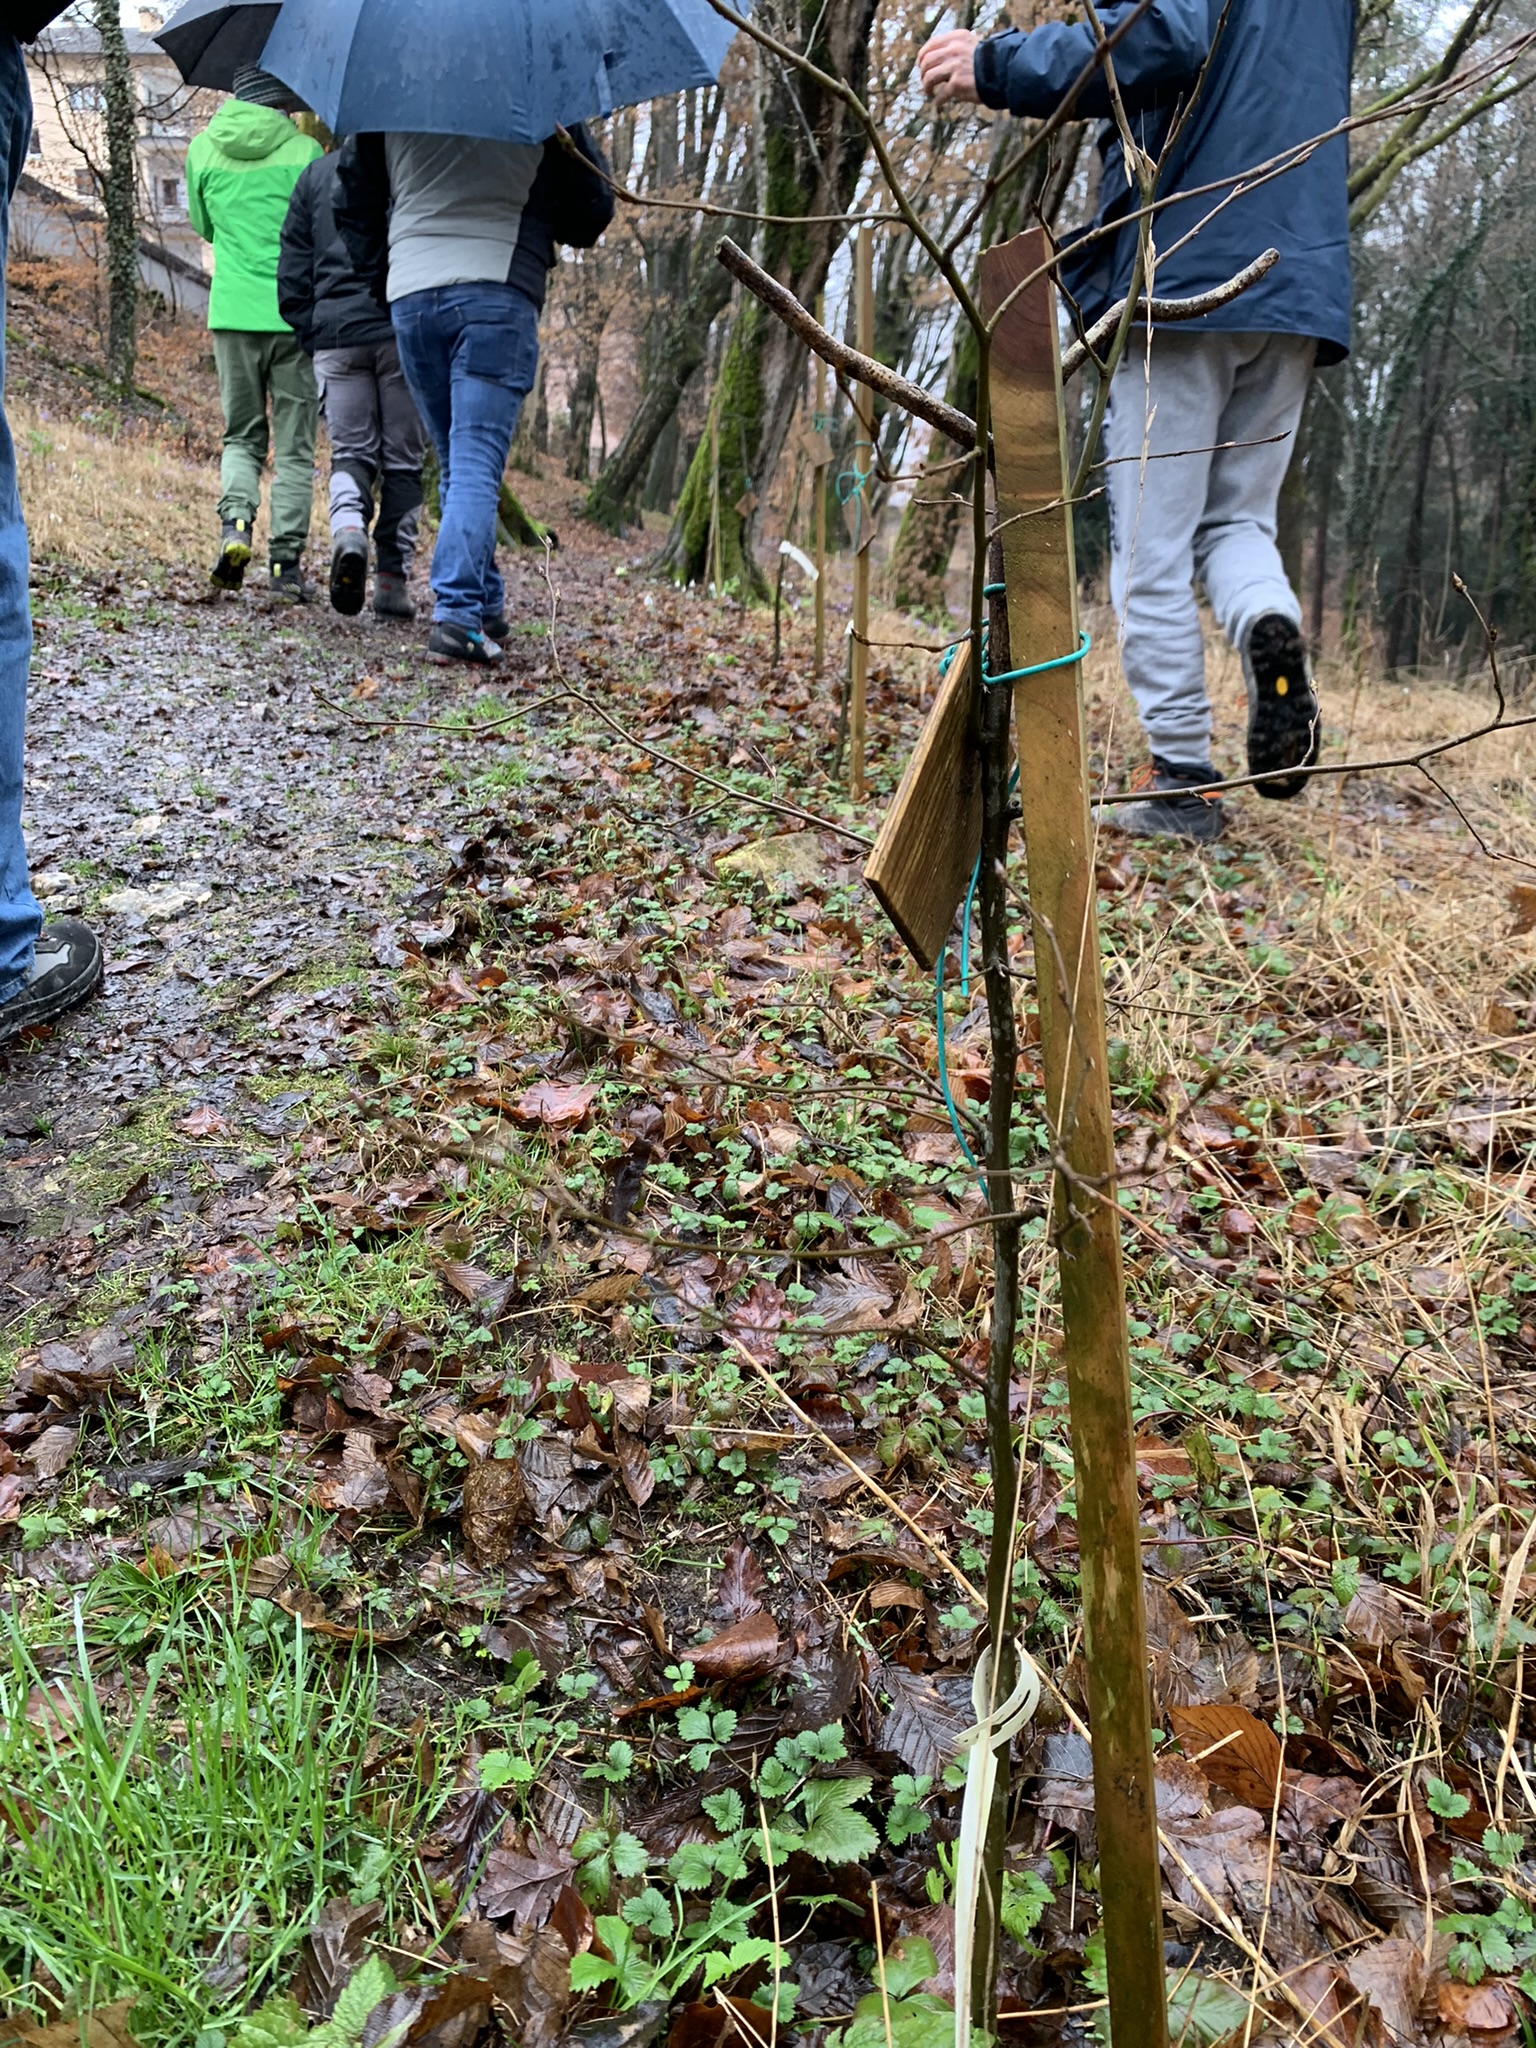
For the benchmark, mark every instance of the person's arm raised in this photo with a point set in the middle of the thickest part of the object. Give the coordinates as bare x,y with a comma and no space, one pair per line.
1030,73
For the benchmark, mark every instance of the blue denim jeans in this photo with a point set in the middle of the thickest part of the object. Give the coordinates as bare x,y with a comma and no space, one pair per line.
20,918
469,352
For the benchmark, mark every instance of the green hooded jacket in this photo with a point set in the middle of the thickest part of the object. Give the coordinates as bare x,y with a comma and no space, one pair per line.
241,171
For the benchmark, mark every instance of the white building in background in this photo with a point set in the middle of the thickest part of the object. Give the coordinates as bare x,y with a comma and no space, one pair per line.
60,197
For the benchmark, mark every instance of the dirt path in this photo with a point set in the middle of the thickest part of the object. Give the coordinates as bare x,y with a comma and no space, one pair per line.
236,842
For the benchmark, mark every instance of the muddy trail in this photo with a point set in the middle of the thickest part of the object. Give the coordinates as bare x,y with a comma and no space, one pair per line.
235,842
495,1266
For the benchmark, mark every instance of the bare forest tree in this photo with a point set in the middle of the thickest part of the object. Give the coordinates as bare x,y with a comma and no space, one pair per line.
119,196
808,156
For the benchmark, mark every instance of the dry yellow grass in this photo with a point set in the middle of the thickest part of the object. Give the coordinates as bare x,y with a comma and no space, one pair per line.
97,501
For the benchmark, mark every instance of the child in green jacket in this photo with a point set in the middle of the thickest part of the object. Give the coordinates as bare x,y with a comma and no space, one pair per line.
241,171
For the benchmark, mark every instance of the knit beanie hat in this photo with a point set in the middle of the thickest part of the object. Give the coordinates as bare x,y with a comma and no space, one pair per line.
260,89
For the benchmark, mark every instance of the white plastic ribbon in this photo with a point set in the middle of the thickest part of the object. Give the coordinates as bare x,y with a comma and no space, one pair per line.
995,1727
799,557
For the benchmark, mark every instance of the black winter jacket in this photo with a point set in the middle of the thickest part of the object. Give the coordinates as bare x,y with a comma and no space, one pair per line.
571,201
319,293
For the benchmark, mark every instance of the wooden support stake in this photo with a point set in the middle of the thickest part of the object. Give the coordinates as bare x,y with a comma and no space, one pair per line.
819,434
864,460
1029,440
929,838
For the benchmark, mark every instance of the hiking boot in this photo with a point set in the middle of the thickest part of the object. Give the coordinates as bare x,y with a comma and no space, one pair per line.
1284,723
448,643
392,595
286,583
234,554
66,968
498,629
349,571
1157,816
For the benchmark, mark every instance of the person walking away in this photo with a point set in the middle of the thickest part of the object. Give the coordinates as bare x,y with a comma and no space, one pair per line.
45,969
1202,420
376,434
457,235
241,171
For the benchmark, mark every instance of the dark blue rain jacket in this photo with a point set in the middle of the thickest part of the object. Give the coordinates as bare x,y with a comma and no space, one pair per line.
1278,75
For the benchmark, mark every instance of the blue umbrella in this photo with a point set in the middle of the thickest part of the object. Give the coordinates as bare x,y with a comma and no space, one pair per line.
510,70
210,40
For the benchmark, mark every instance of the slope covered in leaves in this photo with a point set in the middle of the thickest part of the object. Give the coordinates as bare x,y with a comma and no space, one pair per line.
542,1348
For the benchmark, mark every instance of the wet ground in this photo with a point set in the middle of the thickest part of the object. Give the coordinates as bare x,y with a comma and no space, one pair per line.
236,841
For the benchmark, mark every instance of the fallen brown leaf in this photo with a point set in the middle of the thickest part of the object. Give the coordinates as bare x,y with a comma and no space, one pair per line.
558,1105
1522,901
51,1452
362,1482
496,1507
1389,1975
332,1951
531,1978
105,2027
1234,1748
742,1583
1486,2010
521,1883
747,1647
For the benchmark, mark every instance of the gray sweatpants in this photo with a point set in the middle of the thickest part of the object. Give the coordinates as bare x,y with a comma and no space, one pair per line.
376,437
1207,513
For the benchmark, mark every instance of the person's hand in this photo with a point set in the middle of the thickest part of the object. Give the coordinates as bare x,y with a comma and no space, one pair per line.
947,65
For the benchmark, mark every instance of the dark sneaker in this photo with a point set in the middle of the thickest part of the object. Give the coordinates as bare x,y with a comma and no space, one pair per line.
349,571
1284,723
1157,816
66,968
234,554
498,629
287,584
391,595
447,643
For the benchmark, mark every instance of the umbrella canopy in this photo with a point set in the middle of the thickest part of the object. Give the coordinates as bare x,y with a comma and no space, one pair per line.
510,70
210,40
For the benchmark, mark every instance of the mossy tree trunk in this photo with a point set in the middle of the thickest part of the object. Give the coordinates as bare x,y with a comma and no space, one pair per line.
809,154
684,345
120,198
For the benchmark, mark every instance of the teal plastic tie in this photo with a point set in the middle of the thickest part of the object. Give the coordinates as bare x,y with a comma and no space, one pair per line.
851,486
1035,668
1012,675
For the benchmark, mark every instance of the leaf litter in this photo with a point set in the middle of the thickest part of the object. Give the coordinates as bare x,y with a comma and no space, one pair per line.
628,1087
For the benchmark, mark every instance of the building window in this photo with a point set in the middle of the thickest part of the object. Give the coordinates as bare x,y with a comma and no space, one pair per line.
85,184
170,192
86,99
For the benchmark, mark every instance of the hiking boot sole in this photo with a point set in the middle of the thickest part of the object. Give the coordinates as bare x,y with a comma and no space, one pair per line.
1283,715
349,580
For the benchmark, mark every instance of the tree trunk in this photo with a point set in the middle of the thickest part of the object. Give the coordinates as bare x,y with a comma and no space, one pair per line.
578,438
661,476
1327,450
931,523
809,154
683,348
1407,622
120,198
1291,511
